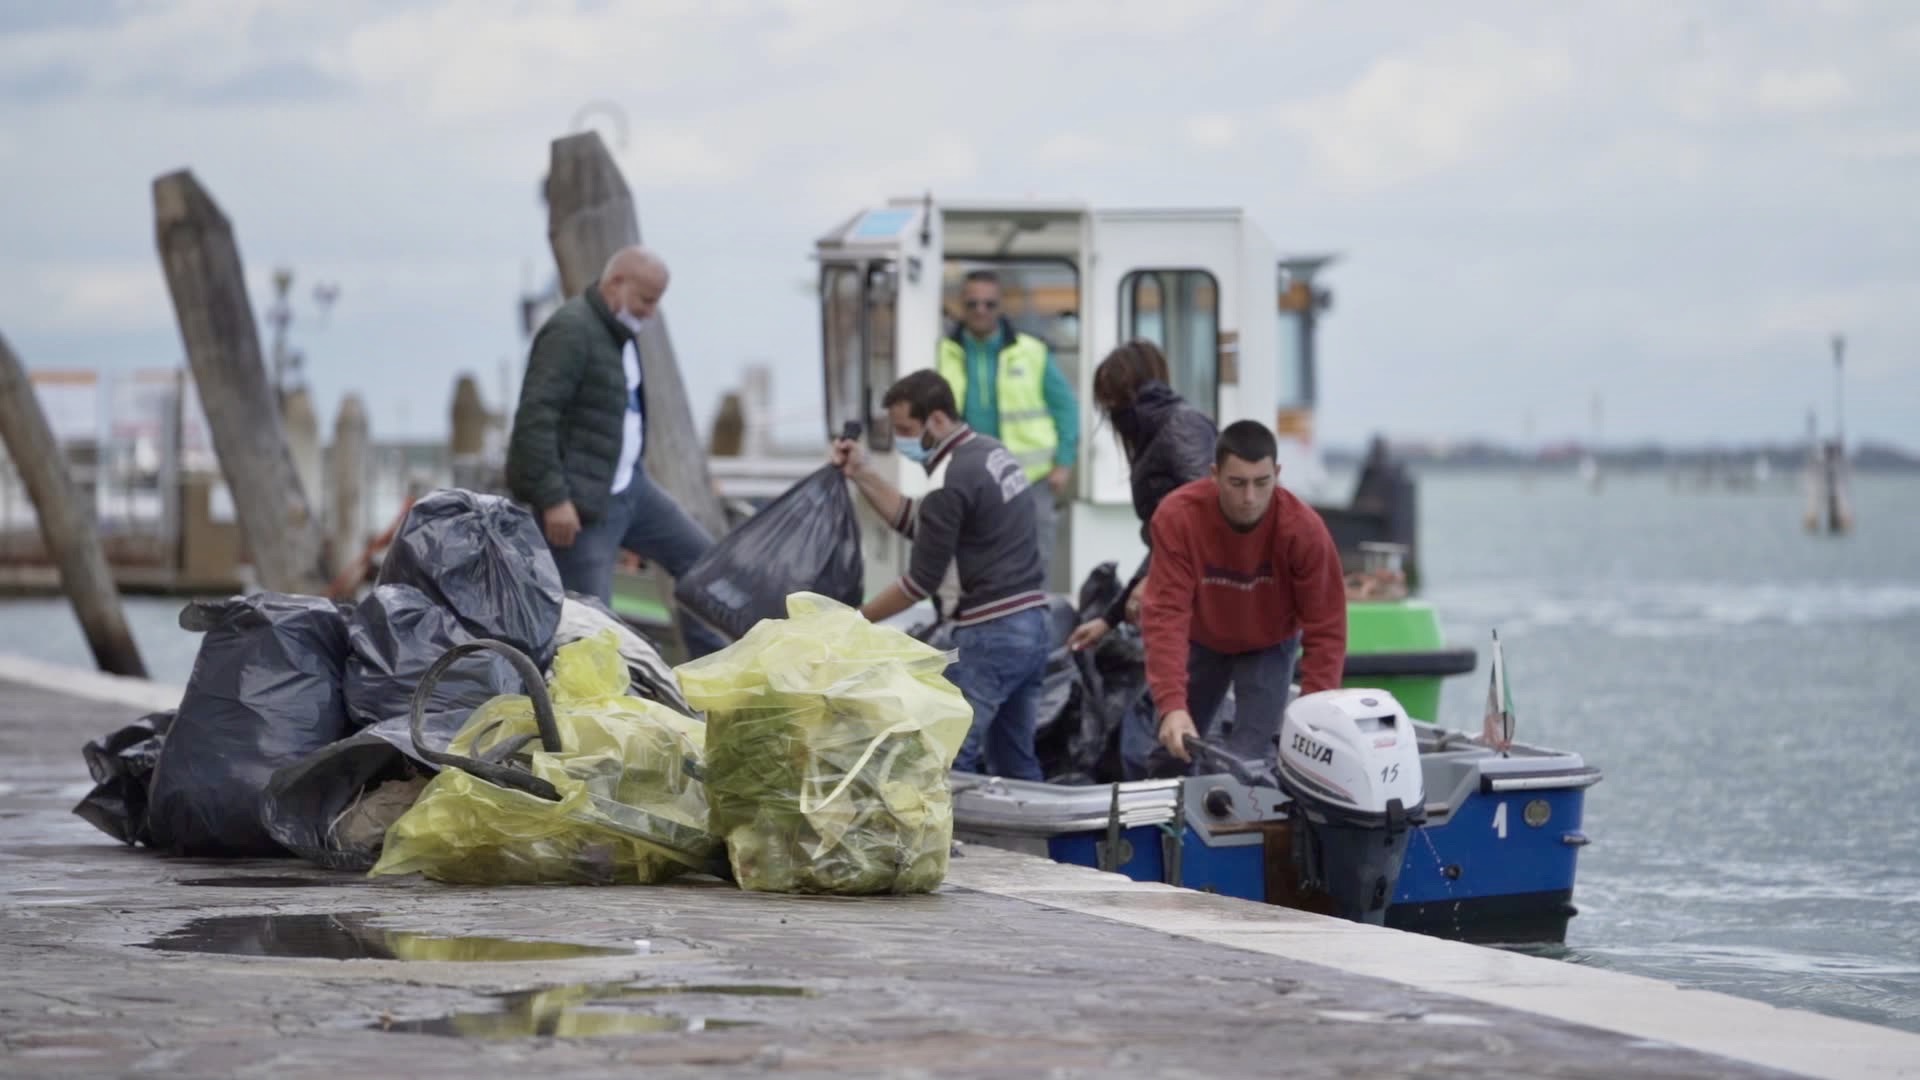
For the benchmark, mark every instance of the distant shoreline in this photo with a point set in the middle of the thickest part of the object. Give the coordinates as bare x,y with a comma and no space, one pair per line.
1780,461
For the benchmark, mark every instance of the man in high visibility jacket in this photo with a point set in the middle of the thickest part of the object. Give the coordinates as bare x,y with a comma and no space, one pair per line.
1010,389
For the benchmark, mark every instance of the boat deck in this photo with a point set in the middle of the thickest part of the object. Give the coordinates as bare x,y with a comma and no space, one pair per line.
1018,965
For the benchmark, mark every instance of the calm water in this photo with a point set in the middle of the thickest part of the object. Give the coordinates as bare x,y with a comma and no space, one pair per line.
1753,694
1750,690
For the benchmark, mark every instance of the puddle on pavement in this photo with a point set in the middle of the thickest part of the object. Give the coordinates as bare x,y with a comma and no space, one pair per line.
1415,1016
253,881
348,936
583,1011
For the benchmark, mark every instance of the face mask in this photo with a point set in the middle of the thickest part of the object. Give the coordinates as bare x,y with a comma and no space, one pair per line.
629,320
912,451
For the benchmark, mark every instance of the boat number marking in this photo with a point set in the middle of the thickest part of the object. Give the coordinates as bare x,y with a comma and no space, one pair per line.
1389,774
1313,750
1500,821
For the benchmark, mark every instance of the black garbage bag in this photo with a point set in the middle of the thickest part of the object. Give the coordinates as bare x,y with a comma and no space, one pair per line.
330,806
122,767
265,691
395,635
807,540
311,806
1112,686
483,558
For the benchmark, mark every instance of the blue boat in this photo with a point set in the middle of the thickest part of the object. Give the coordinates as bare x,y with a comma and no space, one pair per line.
1489,856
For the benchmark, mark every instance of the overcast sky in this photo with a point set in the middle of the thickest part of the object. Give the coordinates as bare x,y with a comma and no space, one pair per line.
1673,203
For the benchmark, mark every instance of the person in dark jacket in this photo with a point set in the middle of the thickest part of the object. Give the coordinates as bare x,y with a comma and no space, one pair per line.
1168,443
578,437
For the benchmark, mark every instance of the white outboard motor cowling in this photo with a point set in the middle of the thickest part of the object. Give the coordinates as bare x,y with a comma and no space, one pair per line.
1350,763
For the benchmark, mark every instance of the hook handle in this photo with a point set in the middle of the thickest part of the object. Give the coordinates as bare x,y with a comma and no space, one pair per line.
502,774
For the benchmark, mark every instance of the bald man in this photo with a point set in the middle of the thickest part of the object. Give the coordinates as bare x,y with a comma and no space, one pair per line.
579,435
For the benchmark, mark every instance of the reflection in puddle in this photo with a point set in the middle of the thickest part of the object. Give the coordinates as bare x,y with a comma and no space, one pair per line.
346,936
582,1011
1415,1016
254,881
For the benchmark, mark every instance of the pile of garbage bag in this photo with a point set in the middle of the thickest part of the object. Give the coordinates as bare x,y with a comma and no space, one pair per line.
291,735
810,756
828,744
631,810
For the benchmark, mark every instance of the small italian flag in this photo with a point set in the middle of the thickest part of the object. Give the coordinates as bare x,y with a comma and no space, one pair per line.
1497,729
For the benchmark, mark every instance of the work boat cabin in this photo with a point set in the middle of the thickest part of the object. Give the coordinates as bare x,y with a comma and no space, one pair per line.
1234,317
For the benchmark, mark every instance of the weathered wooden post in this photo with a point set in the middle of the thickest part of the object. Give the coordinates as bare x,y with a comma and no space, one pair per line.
303,442
590,215
66,522
469,419
347,524
209,288
729,428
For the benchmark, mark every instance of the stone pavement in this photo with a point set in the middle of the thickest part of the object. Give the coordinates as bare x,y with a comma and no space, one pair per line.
972,981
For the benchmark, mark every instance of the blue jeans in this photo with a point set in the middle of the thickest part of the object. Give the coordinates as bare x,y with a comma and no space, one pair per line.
1260,680
1001,668
645,520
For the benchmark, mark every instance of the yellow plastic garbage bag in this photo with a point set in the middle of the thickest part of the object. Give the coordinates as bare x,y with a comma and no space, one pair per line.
828,745
622,775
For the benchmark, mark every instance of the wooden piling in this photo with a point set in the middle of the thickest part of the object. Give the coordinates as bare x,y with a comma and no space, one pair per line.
303,442
347,466
66,522
209,290
469,419
729,428
590,215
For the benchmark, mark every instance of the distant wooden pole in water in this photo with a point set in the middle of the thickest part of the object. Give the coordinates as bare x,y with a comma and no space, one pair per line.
469,419
590,215
66,522
209,289
348,467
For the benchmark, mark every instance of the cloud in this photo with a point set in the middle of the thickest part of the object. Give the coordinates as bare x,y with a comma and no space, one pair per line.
666,158
42,83
1815,90
1884,146
1412,114
294,82
1151,19
942,163
479,61
1212,131
103,295
1074,148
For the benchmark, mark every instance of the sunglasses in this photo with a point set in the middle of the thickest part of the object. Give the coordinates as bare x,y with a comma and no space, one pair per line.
982,305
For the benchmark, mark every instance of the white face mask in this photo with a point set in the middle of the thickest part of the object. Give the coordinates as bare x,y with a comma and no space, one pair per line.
629,320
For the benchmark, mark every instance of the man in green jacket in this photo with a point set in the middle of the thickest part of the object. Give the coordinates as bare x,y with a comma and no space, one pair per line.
1009,388
579,435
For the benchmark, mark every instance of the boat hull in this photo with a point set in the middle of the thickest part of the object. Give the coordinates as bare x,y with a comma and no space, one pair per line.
1495,862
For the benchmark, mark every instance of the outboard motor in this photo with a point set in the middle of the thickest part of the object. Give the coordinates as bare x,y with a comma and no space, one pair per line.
1350,763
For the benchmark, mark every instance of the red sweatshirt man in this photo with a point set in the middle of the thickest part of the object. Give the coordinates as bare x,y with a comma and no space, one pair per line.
1245,578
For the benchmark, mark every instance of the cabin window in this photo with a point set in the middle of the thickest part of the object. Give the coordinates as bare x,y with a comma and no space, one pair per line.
846,385
1178,310
881,293
857,341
